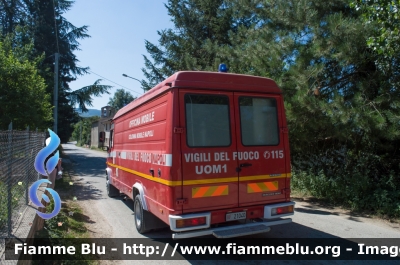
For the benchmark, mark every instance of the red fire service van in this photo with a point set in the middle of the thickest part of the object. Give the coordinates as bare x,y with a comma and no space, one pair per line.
204,153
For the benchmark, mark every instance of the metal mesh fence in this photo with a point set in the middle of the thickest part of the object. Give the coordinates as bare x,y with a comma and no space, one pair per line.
18,150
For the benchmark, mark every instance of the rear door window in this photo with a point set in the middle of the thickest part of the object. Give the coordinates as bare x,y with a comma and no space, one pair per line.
207,120
258,121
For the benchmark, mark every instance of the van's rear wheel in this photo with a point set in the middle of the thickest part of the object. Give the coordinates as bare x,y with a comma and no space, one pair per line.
111,190
140,220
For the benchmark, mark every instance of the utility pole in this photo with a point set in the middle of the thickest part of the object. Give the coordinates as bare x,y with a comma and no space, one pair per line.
55,93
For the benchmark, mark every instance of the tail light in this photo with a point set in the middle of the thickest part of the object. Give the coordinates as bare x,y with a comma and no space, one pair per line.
181,223
282,210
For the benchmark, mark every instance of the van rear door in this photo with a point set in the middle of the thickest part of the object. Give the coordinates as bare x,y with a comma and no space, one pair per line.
233,149
260,148
210,178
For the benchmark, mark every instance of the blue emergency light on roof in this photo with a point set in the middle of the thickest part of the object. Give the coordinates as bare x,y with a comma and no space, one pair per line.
222,68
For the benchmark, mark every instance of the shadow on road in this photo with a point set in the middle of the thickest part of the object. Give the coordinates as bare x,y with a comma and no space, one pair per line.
84,162
92,167
314,211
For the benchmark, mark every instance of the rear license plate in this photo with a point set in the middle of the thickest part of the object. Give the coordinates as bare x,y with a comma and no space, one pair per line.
235,216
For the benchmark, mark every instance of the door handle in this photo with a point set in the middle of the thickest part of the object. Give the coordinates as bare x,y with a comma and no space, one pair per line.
245,165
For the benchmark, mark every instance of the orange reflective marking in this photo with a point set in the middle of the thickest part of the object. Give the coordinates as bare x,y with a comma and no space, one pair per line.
219,190
254,187
211,191
200,192
262,186
271,185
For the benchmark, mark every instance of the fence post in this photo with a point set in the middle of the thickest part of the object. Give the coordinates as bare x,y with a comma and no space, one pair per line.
27,167
9,180
36,144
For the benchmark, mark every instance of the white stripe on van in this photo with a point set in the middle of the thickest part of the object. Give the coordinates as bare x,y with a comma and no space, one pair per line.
147,157
168,160
163,159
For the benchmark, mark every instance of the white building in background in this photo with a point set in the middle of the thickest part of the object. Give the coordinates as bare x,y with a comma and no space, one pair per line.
100,133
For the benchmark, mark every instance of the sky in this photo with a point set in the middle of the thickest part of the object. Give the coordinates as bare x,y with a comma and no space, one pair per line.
118,30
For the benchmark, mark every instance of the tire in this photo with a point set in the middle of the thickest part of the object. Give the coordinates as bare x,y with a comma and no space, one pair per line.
140,217
111,190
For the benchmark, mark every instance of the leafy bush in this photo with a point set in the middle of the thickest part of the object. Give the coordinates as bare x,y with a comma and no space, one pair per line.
360,181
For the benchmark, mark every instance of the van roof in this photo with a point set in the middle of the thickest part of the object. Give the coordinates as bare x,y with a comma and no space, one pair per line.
206,81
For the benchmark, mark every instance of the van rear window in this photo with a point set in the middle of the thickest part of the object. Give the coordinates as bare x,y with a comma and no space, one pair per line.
207,120
258,121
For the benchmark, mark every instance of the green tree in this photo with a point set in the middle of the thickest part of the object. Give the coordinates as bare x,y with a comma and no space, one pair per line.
82,130
11,14
198,24
120,99
83,96
317,53
42,23
56,34
23,97
386,15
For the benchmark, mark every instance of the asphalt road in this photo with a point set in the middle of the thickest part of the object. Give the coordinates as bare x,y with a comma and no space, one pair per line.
114,217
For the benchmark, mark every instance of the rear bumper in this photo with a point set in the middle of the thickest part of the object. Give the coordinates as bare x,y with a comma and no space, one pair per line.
234,230
263,212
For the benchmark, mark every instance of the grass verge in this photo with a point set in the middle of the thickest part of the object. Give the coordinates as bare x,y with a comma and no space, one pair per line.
68,227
